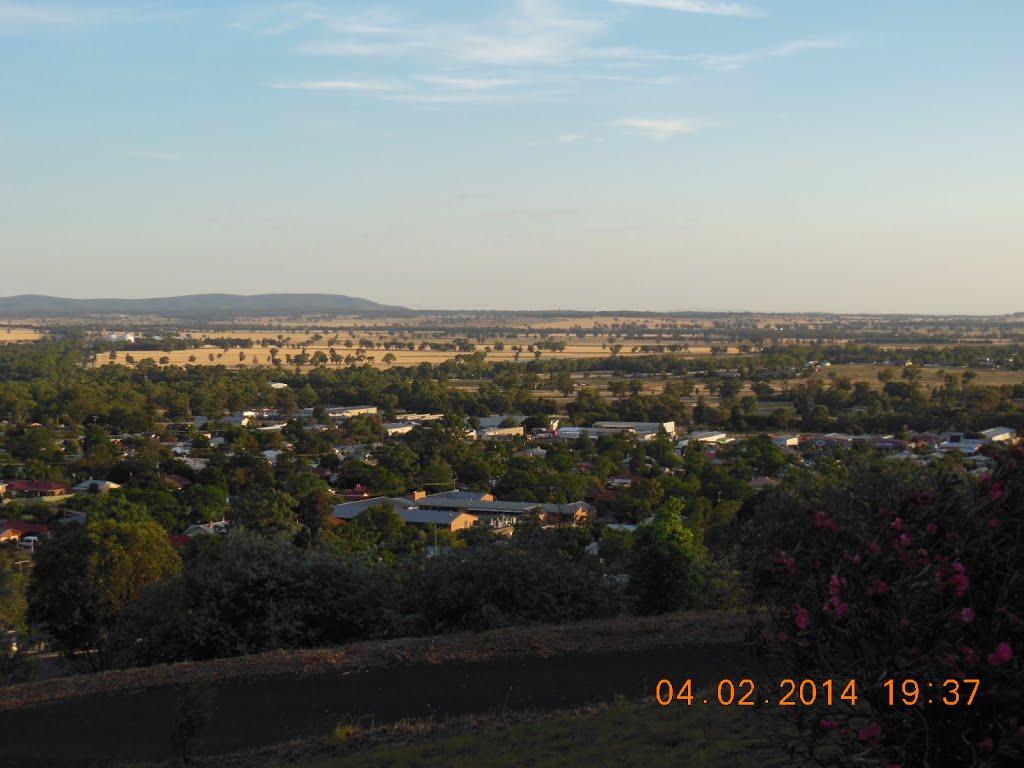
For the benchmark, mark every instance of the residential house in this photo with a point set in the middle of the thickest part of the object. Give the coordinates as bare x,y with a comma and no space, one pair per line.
95,486
999,435
37,489
14,530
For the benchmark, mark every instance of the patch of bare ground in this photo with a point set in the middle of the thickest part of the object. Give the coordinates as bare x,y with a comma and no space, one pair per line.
599,636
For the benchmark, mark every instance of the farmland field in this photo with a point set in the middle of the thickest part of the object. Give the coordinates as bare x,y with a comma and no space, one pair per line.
10,334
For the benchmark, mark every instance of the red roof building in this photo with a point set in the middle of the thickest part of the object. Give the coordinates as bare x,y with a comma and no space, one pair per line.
14,530
41,488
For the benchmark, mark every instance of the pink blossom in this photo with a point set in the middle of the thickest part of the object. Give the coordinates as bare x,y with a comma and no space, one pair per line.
986,744
783,637
878,588
868,732
932,529
829,725
834,586
822,520
781,558
897,524
959,568
905,540
960,584
967,615
875,549
802,619
1002,653
998,492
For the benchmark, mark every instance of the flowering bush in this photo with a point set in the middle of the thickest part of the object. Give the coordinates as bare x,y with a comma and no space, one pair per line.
887,571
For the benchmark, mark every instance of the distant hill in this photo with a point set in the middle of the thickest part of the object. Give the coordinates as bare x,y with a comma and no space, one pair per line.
204,305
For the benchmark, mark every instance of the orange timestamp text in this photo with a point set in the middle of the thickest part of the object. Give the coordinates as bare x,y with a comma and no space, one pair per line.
745,693
808,692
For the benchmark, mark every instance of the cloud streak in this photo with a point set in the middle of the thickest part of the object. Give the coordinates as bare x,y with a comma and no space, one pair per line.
660,129
696,6
730,62
466,83
365,86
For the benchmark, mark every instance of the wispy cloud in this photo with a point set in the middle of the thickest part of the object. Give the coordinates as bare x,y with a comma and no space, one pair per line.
373,86
22,17
697,6
571,138
534,32
19,14
659,129
732,61
281,20
466,83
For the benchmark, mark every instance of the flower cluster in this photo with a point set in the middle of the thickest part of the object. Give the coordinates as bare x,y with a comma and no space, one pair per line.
924,587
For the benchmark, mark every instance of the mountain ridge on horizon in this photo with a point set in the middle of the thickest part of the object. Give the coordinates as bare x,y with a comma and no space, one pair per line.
205,304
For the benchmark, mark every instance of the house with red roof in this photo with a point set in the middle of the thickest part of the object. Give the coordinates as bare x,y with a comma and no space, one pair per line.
37,488
14,530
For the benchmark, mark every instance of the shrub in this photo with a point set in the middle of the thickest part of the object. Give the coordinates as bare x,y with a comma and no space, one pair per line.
892,573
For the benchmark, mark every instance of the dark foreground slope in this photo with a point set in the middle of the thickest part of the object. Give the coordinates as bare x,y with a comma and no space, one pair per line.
269,699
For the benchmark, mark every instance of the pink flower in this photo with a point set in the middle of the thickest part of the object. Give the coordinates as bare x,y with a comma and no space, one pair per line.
829,725
1002,653
878,588
834,586
905,540
998,492
932,529
875,549
960,584
970,655
868,732
783,637
781,558
986,744
959,568
967,615
802,619
822,520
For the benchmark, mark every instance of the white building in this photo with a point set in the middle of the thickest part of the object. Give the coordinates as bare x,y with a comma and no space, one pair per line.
645,429
710,437
999,435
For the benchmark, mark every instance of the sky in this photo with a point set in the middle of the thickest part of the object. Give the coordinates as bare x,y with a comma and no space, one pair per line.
662,155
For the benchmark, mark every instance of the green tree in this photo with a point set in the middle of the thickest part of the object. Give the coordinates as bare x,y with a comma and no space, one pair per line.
381,532
666,566
265,511
85,575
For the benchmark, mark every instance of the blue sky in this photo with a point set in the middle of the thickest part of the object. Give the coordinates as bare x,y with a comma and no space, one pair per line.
783,155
